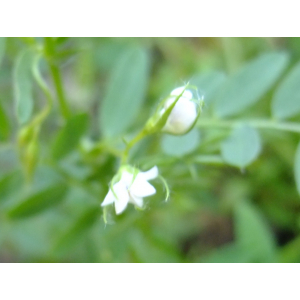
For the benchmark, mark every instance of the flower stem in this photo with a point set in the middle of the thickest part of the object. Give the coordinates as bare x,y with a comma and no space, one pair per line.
130,144
56,75
208,160
264,124
59,90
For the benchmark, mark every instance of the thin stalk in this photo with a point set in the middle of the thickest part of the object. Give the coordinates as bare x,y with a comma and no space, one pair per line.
264,124
56,76
42,84
64,108
137,138
208,159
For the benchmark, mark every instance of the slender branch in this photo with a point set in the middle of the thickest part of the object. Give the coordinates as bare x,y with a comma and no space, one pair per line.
208,159
56,75
59,90
42,84
264,124
137,138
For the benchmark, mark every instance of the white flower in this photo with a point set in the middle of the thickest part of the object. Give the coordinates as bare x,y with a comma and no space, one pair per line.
184,113
131,190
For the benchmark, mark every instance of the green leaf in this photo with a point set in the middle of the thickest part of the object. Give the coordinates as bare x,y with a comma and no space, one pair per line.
9,184
242,147
252,233
286,101
208,84
69,136
2,48
4,127
248,85
80,227
297,168
125,92
181,145
23,86
39,202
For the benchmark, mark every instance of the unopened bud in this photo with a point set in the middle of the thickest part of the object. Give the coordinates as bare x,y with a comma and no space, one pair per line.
183,115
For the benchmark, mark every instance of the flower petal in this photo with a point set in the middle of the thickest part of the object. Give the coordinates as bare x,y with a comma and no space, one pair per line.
120,189
186,94
138,201
109,198
126,178
182,117
141,188
120,205
150,174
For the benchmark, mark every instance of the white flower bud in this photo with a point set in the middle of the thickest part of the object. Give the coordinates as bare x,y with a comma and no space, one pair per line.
184,113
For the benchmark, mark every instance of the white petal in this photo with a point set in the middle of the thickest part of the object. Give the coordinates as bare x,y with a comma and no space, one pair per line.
120,189
109,199
120,205
150,174
182,117
138,201
141,188
186,94
169,103
126,178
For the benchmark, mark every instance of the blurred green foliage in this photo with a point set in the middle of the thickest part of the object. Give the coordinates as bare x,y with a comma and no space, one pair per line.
234,179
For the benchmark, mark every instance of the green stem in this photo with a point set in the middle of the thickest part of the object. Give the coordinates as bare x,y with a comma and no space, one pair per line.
42,84
264,124
59,90
208,160
56,75
137,138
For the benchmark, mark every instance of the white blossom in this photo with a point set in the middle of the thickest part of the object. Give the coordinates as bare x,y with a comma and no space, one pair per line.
184,113
131,189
